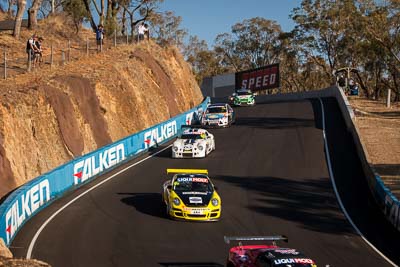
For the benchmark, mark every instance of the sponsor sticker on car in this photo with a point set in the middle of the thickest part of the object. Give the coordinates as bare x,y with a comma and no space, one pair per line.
197,211
195,200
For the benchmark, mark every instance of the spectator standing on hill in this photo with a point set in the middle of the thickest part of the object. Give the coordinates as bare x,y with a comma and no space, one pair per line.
141,31
30,49
100,37
39,51
146,31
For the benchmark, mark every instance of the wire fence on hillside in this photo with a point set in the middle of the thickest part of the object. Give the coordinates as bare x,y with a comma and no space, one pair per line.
57,55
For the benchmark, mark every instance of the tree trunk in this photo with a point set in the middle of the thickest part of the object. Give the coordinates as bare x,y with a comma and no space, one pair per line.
123,21
10,8
32,14
21,4
53,7
101,15
92,23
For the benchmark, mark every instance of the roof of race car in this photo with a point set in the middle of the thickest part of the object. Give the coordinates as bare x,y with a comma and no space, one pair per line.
194,131
216,105
244,91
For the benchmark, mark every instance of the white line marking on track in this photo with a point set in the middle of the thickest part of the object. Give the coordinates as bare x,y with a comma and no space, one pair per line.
337,193
36,236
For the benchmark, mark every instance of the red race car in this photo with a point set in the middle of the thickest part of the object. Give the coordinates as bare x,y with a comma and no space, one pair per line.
265,255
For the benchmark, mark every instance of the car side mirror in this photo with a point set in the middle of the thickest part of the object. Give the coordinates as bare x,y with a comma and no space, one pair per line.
169,187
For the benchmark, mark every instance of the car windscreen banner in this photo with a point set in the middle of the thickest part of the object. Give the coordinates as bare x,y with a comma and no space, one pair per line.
263,78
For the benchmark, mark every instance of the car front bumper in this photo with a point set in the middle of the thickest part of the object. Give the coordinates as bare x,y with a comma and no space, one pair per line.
195,214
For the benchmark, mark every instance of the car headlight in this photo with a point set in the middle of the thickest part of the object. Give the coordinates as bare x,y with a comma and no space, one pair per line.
175,148
176,201
200,147
214,202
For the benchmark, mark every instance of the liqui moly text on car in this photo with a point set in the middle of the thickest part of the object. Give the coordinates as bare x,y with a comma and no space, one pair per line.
159,134
25,206
90,166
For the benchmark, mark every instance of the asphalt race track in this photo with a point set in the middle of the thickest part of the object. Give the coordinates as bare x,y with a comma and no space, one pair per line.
271,172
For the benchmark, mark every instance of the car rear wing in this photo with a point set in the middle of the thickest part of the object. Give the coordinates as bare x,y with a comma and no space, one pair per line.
188,171
228,239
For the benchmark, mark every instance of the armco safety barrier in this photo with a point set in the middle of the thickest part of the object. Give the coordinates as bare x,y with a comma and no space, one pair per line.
33,196
389,204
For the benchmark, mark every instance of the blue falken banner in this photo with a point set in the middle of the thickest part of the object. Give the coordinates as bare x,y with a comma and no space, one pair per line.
33,196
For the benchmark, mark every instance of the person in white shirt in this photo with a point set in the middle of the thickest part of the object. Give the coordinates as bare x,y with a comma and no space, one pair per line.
141,31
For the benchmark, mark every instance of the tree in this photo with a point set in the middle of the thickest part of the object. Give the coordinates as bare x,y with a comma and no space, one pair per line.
32,14
141,8
21,4
253,43
204,62
322,30
76,9
166,28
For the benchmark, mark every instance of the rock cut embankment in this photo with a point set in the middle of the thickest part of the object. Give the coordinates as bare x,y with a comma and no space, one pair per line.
49,117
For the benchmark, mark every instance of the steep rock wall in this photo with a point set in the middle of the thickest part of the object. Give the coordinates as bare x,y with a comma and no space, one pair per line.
49,117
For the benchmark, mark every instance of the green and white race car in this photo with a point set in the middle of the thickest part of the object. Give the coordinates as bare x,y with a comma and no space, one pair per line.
243,97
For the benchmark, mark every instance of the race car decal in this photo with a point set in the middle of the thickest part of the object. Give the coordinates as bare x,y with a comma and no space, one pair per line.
192,179
190,142
296,260
194,193
196,200
287,251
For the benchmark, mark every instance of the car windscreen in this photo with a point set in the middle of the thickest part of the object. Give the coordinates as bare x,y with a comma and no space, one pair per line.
195,183
243,93
191,136
216,110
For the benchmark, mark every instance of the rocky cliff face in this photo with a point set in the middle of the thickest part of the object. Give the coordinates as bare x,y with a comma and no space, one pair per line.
49,117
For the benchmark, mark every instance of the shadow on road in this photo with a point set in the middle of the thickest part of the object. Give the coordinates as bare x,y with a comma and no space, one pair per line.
190,264
147,203
274,123
308,202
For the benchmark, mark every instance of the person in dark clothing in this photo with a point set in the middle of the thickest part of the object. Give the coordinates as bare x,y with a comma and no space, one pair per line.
39,51
31,48
100,37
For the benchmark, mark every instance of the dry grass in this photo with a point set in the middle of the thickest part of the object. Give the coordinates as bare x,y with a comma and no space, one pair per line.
379,128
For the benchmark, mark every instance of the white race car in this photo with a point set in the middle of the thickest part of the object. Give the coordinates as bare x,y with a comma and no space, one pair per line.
193,143
218,115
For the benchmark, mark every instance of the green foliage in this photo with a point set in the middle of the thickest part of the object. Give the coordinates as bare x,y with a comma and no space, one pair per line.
204,62
166,28
252,43
76,9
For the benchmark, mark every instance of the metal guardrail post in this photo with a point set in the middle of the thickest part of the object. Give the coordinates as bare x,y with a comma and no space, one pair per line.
69,50
62,57
51,56
5,63
127,38
87,46
29,61
388,98
115,38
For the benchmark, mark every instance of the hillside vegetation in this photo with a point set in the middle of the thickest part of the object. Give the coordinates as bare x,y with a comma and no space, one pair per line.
51,116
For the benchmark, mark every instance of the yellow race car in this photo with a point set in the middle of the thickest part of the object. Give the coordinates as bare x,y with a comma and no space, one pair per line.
190,195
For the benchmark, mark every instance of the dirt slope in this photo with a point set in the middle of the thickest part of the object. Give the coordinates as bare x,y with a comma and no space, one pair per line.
379,128
51,116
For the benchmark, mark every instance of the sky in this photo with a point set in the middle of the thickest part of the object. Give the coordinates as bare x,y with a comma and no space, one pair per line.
208,18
